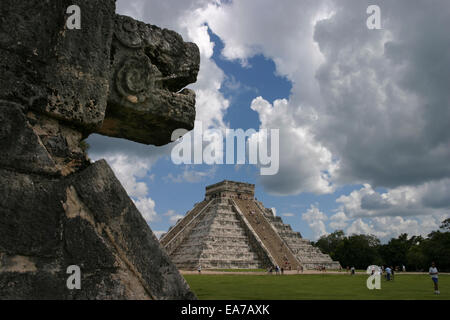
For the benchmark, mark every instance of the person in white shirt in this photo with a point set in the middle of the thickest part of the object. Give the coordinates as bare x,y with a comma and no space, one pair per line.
388,273
434,276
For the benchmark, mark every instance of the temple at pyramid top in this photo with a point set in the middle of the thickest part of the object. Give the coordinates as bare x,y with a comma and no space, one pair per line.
231,229
230,189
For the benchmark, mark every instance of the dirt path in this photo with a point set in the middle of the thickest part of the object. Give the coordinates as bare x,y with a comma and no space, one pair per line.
289,272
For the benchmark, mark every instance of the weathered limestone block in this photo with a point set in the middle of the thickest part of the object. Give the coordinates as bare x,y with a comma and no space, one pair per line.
21,148
86,219
54,70
102,194
38,144
57,209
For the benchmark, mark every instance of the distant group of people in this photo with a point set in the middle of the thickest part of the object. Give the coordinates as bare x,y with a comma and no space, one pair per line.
351,270
433,272
321,268
277,269
389,273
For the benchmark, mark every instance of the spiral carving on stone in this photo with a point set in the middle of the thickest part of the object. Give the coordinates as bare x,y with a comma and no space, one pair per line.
135,80
130,32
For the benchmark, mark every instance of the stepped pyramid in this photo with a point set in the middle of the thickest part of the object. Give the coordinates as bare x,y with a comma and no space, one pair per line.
230,229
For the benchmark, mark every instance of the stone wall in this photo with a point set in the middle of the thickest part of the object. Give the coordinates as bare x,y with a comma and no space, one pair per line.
57,209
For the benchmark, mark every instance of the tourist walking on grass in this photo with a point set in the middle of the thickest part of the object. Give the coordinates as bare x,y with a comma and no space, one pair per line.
388,273
434,276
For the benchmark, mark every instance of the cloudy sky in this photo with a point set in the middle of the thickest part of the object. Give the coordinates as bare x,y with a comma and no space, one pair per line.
364,115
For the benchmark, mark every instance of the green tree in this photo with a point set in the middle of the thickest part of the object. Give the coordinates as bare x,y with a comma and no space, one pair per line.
416,253
445,225
329,243
437,248
416,258
395,251
359,251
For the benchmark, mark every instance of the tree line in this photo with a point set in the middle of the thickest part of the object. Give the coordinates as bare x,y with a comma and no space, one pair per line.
415,252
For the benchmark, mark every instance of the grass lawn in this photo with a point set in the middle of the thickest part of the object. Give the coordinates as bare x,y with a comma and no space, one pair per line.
238,270
320,286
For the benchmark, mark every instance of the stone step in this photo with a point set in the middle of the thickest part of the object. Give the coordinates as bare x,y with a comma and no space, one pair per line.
272,241
182,223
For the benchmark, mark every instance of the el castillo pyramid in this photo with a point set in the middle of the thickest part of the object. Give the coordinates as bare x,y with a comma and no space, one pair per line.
230,229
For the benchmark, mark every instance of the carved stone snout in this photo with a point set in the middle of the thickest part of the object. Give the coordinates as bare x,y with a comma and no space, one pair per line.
150,68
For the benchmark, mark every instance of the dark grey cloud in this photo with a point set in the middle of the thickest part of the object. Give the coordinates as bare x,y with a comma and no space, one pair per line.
377,100
437,196
386,111
373,201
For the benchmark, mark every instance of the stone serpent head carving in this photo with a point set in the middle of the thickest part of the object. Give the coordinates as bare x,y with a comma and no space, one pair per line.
150,68
115,76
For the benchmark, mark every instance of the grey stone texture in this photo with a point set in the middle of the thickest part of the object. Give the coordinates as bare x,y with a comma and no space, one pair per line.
151,66
57,208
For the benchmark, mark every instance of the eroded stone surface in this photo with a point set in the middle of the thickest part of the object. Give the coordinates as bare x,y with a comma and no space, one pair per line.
56,207
86,219
51,69
150,66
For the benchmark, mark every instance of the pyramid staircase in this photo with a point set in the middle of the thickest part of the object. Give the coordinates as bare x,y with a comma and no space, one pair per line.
309,256
281,253
216,237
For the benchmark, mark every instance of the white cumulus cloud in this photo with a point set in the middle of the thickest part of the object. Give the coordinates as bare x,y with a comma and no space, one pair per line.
315,219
